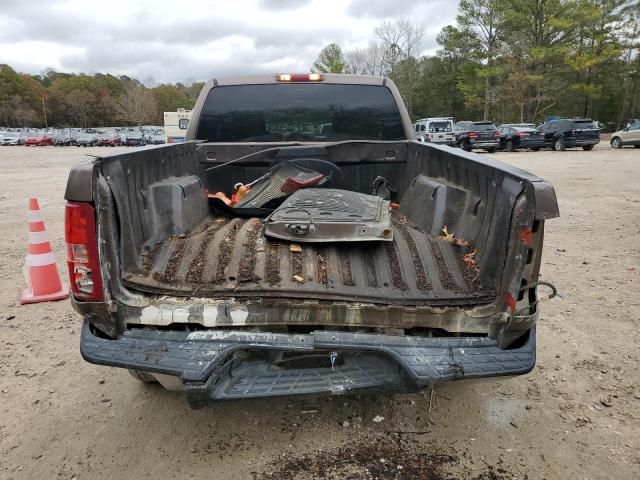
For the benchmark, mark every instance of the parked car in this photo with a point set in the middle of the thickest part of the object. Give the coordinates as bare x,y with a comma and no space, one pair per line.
63,138
630,135
514,137
38,139
86,140
566,133
134,138
476,135
220,311
631,121
10,138
110,139
157,138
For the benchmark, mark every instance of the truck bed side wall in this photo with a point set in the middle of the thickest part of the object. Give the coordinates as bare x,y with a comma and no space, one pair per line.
158,193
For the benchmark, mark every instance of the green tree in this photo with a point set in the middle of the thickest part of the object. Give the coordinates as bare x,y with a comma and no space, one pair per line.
629,67
169,98
484,20
539,35
596,47
330,60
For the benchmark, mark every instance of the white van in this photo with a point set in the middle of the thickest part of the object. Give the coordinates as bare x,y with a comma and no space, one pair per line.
435,130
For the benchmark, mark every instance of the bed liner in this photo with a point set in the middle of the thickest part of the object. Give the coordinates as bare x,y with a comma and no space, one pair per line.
229,257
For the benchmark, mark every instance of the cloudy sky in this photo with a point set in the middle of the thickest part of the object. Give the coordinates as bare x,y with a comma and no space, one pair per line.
178,40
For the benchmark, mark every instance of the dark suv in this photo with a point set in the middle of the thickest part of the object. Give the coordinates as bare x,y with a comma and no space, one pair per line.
569,133
479,135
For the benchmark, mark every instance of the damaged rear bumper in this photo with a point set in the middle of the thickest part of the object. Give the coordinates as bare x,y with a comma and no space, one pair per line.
218,365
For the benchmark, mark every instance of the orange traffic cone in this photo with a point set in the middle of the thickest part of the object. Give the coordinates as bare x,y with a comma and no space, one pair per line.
40,270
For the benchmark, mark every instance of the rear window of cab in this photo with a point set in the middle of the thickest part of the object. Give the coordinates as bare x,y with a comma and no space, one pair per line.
300,112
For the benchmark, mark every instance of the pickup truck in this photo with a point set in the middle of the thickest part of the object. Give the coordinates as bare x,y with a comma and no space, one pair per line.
199,299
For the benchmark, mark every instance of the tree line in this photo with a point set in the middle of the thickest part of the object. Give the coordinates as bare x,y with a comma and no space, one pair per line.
511,61
77,100
503,60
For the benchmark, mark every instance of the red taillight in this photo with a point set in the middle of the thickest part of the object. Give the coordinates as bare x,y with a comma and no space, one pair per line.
473,134
82,252
496,134
299,77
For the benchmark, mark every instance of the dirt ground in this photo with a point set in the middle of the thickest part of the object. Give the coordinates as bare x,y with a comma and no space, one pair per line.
577,415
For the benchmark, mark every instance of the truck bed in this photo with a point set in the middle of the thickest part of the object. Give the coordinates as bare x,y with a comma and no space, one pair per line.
229,257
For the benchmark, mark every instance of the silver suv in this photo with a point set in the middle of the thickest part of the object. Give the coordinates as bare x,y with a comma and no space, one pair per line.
630,135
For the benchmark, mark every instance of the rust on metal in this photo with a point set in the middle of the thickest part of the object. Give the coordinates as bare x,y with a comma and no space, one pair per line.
248,263
225,252
345,268
322,266
394,266
272,264
196,268
443,270
422,278
169,273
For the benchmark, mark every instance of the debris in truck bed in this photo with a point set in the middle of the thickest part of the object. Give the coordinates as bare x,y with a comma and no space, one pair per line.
345,269
469,259
272,265
298,278
451,238
394,264
443,269
169,274
196,268
370,267
295,248
226,250
422,277
296,263
326,215
282,180
393,273
147,262
323,276
246,271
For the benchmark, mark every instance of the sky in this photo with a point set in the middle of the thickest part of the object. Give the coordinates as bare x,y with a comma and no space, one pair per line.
192,40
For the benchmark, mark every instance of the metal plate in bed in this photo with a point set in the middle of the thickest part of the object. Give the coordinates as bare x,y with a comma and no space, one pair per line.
331,215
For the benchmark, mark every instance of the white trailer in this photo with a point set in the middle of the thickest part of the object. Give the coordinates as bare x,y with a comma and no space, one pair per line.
175,125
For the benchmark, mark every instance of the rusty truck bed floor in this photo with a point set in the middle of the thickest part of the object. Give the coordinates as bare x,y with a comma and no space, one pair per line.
230,257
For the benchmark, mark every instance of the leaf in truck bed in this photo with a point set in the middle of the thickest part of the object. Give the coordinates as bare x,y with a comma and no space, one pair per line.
447,236
469,260
451,238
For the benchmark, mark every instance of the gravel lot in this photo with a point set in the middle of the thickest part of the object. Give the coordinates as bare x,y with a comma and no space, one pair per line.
577,415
